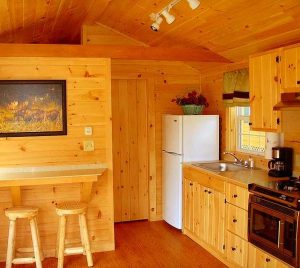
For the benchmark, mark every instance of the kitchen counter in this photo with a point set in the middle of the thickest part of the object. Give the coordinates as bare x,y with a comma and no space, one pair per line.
242,177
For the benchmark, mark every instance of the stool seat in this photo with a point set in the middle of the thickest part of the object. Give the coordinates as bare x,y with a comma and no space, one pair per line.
71,208
21,212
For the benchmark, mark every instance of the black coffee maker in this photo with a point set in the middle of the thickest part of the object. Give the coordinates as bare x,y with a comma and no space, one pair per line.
282,163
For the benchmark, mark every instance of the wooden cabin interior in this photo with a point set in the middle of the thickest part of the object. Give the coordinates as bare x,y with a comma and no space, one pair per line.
119,78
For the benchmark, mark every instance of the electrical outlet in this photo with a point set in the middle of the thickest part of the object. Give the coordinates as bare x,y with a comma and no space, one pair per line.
88,131
88,146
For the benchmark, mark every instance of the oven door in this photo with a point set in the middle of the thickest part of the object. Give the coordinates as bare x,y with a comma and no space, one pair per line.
273,228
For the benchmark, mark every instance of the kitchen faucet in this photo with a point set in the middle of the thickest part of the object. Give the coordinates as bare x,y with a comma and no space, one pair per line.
236,160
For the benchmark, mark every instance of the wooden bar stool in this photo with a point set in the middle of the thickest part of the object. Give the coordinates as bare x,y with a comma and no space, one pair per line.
72,208
29,213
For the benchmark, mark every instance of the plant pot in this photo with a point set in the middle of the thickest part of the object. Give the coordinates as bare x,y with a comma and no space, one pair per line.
192,109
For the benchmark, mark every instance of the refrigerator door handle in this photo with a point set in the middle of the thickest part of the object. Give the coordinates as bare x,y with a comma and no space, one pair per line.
172,153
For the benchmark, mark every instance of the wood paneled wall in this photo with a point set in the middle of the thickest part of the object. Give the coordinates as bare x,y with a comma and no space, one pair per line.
130,149
165,80
88,104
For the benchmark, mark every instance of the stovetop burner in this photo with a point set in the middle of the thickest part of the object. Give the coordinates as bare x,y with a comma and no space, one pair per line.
286,192
290,186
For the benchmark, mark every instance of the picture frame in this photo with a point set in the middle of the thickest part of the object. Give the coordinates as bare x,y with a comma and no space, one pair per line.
33,108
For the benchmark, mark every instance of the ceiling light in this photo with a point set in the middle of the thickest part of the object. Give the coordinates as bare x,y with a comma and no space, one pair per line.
155,25
156,17
193,3
169,18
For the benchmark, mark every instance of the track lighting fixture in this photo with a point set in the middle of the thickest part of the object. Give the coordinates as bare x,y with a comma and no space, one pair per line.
193,3
156,24
165,12
169,17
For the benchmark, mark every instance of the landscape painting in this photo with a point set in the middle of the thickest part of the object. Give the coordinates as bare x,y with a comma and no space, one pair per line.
32,108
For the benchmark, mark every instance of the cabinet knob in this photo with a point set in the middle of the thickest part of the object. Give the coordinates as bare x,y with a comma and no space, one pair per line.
233,248
268,260
235,196
205,191
250,124
298,82
234,220
191,183
209,192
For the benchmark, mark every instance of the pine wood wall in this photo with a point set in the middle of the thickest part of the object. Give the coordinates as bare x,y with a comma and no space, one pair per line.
165,80
88,104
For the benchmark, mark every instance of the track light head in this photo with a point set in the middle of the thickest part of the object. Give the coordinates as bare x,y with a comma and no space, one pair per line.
169,17
155,25
193,3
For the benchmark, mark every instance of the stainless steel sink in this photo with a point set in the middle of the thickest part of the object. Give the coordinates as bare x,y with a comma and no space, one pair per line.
220,166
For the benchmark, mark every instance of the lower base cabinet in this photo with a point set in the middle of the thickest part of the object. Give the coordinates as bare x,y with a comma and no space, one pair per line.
261,259
204,215
236,250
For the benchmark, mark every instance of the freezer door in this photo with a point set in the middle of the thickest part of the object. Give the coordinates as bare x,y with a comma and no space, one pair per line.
172,189
200,137
172,133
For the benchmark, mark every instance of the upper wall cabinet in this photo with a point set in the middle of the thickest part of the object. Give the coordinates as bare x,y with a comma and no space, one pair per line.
264,91
290,69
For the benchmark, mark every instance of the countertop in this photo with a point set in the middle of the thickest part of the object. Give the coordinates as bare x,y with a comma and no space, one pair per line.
242,177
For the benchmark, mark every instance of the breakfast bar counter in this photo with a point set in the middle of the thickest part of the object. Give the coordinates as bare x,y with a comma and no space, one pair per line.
15,178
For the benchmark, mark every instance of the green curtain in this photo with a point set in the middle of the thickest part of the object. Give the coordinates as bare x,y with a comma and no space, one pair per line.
236,88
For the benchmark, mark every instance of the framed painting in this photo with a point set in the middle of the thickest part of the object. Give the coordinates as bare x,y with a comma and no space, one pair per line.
32,108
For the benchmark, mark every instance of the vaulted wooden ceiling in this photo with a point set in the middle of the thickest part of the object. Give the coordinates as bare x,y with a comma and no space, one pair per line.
233,29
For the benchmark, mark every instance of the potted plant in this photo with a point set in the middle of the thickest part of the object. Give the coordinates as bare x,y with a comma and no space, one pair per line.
193,103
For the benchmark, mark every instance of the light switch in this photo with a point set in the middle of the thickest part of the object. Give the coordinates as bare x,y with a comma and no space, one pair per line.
88,146
88,131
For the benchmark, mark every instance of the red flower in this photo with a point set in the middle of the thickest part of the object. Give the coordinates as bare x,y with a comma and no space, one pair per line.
192,98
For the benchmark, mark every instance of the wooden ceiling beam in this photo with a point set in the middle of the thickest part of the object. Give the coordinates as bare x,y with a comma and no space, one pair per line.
108,51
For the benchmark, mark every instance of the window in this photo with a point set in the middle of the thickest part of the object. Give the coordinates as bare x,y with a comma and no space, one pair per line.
247,140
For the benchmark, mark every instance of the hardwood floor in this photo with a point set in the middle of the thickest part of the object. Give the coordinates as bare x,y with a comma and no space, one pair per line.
144,244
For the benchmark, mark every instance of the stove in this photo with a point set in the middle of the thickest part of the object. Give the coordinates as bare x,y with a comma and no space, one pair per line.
274,218
286,192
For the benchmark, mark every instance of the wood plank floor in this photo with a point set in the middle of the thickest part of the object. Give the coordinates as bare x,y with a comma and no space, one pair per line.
144,244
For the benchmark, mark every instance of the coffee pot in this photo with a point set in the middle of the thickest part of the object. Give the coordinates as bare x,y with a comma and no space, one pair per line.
281,164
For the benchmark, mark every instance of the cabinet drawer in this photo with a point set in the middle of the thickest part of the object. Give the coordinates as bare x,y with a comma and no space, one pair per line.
237,250
207,180
237,220
237,195
259,258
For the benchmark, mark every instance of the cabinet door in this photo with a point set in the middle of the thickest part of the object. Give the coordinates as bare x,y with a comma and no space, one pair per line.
217,215
205,219
237,250
237,221
259,258
188,221
291,70
264,91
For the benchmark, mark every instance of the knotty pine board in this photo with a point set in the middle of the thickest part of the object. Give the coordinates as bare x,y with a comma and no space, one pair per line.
164,81
88,104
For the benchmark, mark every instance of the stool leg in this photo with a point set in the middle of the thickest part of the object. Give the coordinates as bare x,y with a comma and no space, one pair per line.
61,241
35,242
87,247
82,237
39,239
11,243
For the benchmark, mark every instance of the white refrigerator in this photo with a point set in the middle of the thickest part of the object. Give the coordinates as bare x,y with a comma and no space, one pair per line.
185,138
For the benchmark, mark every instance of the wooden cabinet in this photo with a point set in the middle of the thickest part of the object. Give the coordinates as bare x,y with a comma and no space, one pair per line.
264,72
237,225
237,221
237,195
237,250
290,69
261,259
204,210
